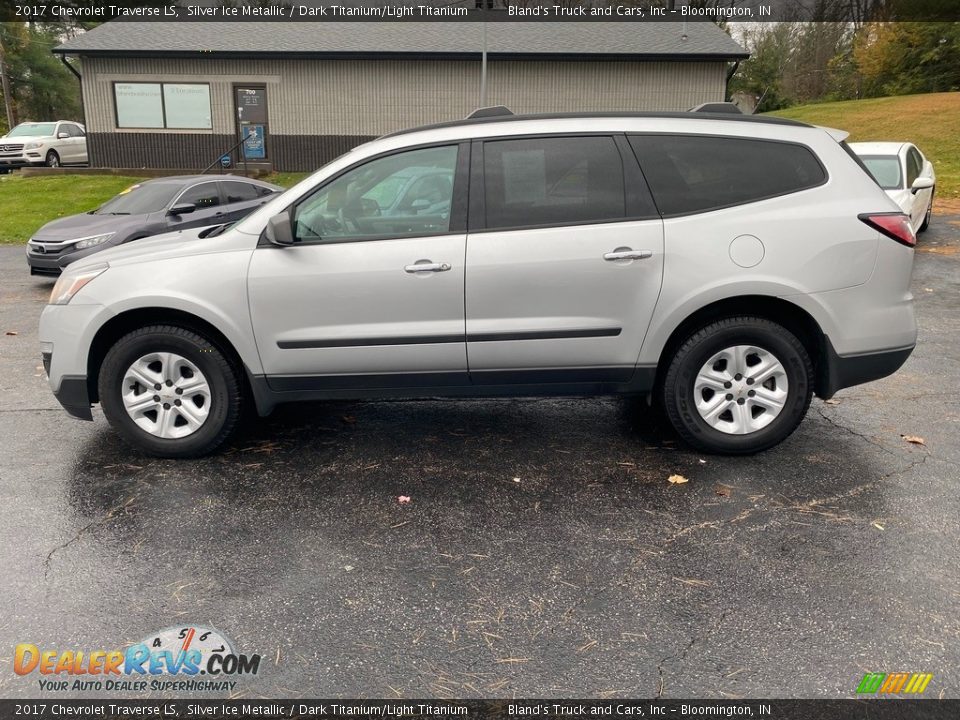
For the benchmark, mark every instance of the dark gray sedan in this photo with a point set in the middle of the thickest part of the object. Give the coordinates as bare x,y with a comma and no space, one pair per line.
148,208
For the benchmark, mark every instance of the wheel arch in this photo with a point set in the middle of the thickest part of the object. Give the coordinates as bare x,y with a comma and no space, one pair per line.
123,323
783,312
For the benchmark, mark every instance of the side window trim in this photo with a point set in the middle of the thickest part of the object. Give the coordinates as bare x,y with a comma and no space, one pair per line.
823,169
458,205
635,184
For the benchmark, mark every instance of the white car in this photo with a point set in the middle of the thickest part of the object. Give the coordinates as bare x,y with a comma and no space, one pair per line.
905,174
54,143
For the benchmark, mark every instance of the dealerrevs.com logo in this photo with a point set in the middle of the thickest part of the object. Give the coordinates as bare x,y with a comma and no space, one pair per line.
187,659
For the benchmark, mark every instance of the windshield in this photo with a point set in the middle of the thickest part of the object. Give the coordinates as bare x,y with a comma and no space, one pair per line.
885,170
32,129
139,199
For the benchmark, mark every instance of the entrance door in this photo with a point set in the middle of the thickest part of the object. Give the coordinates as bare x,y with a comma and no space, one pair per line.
251,108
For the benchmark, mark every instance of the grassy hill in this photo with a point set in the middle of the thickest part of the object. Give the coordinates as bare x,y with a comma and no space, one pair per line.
931,122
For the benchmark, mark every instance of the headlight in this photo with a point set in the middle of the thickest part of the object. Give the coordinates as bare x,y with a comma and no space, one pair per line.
70,283
32,145
89,242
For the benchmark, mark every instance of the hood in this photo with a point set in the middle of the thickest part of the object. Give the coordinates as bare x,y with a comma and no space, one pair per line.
85,225
182,243
25,138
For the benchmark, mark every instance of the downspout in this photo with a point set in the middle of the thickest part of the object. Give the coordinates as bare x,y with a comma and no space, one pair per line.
72,69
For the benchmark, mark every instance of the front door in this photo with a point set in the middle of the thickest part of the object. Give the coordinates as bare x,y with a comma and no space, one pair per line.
371,294
250,103
207,207
563,277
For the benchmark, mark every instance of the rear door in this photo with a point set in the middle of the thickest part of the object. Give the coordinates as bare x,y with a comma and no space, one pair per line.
241,198
920,200
564,260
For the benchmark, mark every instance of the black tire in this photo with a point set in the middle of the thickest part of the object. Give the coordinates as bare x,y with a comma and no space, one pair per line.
221,372
678,385
926,218
52,159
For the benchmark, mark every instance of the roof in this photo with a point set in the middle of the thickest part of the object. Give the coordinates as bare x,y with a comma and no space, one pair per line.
722,116
438,40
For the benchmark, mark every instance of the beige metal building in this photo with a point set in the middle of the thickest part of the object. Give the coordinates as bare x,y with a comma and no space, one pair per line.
178,95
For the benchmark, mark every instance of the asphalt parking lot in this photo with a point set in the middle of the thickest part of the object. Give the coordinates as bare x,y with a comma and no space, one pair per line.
542,553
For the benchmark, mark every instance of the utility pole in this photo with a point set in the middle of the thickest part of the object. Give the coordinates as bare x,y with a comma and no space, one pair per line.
483,65
5,83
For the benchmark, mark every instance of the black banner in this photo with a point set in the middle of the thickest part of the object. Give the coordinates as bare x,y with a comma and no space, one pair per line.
87,11
865,709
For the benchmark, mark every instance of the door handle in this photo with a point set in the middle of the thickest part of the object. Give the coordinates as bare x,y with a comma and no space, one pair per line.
626,253
426,266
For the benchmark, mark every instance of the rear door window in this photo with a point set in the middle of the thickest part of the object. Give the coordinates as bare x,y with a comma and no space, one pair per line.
914,165
236,191
695,173
533,182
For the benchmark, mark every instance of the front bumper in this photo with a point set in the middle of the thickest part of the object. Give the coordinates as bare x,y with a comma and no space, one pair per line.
15,161
74,397
838,372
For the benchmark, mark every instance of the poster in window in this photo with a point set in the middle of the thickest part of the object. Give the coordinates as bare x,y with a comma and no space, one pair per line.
188,106
139,105
253,147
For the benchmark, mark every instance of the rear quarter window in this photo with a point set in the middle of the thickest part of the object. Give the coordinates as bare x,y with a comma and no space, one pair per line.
696,173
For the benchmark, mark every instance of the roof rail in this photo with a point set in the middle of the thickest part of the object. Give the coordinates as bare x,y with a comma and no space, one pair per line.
717,107
491,111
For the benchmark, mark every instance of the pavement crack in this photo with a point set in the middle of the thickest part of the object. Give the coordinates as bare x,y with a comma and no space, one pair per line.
851,431
111,513
682,655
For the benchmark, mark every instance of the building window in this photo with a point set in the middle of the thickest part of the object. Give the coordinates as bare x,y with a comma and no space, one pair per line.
163,105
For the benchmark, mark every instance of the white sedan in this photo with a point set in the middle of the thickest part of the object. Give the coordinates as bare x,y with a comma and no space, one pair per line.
906,175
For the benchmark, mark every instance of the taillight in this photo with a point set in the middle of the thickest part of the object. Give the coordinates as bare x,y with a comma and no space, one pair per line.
893,225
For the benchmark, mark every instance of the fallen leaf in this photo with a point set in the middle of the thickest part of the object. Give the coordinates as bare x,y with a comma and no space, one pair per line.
878,526
702,461
677,479
914,439
348,568
349,419
831,401
516,480
722,491
12,332
403,499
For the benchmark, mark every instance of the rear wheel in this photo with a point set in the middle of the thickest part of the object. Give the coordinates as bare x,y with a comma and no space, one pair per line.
738,386
170,392
53,159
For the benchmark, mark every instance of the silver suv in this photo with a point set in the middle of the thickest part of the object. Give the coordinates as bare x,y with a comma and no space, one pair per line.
727,267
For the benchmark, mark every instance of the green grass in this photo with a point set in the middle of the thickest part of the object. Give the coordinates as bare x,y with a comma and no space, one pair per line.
29,202
929,121
285,179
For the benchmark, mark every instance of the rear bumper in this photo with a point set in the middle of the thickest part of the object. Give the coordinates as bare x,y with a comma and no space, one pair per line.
845,371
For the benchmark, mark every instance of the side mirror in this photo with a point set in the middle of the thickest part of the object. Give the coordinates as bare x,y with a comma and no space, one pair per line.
921,183
420,204
182,209
63,136
279,230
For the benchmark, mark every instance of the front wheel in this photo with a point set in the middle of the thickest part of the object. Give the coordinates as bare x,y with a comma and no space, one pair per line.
53,159
738,386
170,392
926,218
